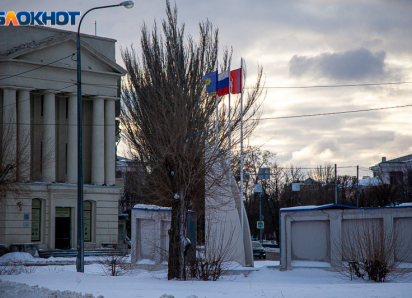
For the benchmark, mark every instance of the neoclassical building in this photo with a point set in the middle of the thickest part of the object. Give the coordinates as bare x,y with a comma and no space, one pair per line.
38,104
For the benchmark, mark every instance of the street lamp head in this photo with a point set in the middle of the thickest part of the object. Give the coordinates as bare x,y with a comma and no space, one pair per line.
127,4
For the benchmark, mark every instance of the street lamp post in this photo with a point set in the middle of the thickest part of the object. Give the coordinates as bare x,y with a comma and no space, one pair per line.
80,236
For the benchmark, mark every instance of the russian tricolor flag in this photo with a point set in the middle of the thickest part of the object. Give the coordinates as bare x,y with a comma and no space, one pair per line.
223,83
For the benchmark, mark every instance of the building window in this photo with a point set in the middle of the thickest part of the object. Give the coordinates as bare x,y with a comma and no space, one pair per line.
87,221
35,219
396,178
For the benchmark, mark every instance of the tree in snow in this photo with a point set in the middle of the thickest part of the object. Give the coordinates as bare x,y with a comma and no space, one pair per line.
167,121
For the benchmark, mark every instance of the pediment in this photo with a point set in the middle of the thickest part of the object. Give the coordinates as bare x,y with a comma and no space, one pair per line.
63,47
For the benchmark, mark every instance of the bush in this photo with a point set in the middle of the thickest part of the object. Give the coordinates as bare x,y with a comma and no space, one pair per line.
368,249
114,264
16,268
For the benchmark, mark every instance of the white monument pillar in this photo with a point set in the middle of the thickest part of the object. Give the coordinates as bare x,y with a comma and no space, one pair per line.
48,162
72,140
23,135
109,142
9,128
98,142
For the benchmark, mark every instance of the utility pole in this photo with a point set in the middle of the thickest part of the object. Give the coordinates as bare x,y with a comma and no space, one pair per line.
260,217
357,186
336,185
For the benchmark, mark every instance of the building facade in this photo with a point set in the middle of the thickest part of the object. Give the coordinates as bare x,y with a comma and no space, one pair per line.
38,104
397,171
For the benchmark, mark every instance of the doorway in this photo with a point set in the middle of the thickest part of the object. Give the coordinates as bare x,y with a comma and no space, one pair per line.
62,228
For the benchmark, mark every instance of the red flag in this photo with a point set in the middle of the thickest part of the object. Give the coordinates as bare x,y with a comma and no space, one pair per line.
236,80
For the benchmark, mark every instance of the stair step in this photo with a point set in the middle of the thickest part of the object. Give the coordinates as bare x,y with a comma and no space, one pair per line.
73,253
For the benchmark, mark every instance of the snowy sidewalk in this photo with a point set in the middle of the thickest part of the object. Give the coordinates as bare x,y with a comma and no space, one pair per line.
265,282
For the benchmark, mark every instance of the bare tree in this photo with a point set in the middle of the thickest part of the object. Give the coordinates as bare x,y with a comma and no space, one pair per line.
167,120
14,159
370,250
325,173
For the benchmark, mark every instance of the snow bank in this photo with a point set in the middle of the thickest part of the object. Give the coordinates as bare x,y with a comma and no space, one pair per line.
309,264
145,262
16,257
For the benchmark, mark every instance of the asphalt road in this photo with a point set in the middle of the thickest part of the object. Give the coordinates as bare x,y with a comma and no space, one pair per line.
271,256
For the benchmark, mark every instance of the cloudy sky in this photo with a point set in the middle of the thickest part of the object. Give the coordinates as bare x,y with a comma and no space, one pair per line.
299,44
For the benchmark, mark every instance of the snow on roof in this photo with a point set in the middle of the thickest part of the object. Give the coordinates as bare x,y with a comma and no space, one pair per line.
405,205
371,181
338,206
315,207
151,207
154,208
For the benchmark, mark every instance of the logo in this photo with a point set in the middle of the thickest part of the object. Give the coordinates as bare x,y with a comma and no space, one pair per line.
208,81
31,18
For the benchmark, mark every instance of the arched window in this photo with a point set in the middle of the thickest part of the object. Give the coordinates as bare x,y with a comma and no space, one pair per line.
35,219
87,220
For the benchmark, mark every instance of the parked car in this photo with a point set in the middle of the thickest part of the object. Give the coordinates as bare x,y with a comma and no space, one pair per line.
258,250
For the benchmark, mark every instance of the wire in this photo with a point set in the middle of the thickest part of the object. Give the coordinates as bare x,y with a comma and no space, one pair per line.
331,113
332,86
54,124
18,74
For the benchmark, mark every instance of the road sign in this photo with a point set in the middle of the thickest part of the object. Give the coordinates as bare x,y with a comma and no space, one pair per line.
258,188
260,224
264,173
295,186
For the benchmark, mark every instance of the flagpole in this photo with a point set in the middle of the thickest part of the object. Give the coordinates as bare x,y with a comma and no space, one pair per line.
230,91
241,143
217,106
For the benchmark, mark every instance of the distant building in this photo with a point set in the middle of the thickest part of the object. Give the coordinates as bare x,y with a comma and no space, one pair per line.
396,171
38,99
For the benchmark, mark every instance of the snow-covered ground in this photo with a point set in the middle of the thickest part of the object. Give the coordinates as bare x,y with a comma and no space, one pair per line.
262,281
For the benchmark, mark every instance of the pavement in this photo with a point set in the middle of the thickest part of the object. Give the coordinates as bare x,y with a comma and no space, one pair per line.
271,256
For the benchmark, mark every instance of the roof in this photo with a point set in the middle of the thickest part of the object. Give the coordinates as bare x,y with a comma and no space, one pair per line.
315,207
339,206
402,159
153,208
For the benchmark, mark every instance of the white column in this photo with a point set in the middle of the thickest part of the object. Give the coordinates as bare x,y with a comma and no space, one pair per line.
72,140
23,135
98,142
49,138
109,142
9,135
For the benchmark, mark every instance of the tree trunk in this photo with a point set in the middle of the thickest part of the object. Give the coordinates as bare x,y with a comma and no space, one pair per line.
177,240
174,243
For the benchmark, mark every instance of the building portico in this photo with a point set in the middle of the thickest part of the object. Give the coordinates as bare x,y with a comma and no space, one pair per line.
38,104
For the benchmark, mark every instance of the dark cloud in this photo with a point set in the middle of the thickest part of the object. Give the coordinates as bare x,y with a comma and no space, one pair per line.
349,65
